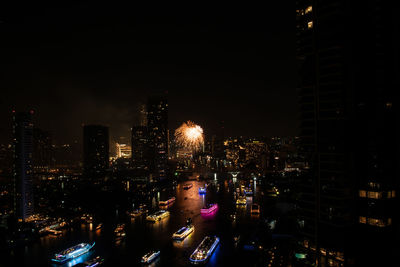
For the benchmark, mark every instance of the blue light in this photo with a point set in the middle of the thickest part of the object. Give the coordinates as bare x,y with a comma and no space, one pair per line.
209,253
202,190
214,256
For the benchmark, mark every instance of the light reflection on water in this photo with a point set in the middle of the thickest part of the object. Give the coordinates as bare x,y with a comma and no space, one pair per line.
213,261
143,236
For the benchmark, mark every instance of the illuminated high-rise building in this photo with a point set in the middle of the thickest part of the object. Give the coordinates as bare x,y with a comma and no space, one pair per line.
348,72
95,150
23,171
157,123
123,150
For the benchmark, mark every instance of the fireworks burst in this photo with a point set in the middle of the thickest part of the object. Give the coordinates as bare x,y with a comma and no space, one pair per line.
190,135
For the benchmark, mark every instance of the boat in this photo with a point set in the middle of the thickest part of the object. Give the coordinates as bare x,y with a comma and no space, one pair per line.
158,216
142,206
150,257
202,190
187,186
182,233
94,262
241,201
247,191
87,218
167,202
120,231
236,238
255,209
204,251
55,232
119,228
72,253
209,209
136,213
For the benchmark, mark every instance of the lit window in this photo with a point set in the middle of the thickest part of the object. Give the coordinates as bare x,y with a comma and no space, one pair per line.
363,193
308,9
374,195
379,222
373,222
310,24
363,220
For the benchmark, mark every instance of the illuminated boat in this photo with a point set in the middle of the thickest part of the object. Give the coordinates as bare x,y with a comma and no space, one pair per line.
72,253
150,257
202,190
158,216
248,191
55,232
255,209
209,209
120,231
167,202
187,186
94,262
241,201
136,213
182,233
204,251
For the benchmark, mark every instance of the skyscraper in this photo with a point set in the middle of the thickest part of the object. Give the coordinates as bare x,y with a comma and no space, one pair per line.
157,123
42,151
95,149
23,148
140,148
348,60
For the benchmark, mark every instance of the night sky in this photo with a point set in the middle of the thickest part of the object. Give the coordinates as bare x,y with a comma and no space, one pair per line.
94,63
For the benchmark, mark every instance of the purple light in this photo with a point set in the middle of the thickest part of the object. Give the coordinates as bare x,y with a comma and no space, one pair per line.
210,214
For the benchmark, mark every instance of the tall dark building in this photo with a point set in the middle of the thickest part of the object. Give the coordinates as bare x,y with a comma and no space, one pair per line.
23,180
157,123
43,157
348,59
95,149
140,148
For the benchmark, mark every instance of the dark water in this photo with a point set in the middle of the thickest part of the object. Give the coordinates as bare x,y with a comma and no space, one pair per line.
143,236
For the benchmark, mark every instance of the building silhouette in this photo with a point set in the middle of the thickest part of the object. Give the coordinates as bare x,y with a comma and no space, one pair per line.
157,123
140,148
348,61
23,171
95,149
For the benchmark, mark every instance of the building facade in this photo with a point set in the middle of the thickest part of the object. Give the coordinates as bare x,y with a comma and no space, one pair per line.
95,150
348,58
140,148
23,169
157,123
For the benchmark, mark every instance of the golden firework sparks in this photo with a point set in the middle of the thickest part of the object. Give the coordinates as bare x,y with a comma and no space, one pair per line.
190,136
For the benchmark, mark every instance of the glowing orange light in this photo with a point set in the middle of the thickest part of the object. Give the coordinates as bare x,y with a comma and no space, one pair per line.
190,136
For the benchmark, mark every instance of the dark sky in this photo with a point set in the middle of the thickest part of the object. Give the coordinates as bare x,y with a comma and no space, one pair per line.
94,63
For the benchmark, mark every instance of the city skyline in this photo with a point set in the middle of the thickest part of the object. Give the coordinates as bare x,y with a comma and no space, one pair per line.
223,135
